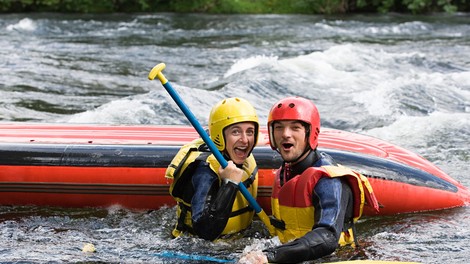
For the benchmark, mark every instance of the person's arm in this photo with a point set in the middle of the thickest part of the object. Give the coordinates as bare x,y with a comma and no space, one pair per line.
211,204
331,198
313,245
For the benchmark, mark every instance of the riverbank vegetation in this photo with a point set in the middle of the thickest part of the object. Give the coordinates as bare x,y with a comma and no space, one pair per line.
237,6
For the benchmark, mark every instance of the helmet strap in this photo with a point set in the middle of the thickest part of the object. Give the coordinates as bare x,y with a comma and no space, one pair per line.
307,139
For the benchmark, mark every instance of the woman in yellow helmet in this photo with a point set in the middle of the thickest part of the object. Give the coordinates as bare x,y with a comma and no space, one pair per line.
209,203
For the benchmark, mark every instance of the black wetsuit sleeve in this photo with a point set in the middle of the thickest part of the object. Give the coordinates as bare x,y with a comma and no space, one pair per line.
211,204
313,245
332,200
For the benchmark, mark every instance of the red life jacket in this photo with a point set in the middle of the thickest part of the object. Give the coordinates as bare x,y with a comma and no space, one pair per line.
292,202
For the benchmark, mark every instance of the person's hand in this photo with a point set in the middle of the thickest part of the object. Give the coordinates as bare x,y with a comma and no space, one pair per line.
254,257
231,173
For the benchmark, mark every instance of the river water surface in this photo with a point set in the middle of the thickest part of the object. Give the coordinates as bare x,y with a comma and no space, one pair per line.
404,79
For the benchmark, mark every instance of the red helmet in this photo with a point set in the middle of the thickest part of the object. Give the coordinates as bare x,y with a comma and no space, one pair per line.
296,108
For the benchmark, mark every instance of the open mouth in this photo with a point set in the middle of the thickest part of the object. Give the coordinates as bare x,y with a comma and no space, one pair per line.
287,146
241,151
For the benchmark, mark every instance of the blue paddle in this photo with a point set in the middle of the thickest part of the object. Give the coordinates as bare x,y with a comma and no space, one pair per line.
157,72
183,256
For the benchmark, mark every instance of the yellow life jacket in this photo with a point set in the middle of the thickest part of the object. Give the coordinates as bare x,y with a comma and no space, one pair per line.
181,170
292,202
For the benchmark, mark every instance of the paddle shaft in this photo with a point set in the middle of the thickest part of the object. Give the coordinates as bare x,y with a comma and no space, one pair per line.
209,142
183,256
157,72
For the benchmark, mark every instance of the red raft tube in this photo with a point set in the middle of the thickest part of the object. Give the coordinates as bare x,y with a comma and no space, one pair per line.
72,165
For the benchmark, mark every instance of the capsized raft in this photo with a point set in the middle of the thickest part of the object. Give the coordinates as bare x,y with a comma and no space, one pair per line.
72,165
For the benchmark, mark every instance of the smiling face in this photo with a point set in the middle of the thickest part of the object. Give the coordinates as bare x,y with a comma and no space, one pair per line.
239,141
290,139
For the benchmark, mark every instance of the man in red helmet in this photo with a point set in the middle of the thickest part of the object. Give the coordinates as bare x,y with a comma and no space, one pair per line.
315,201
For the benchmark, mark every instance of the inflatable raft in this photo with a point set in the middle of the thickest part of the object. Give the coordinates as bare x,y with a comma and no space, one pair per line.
99,166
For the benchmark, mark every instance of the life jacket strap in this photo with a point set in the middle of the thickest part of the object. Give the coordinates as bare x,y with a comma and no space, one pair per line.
248,182
241,211
181,226
182,162
279,224
350,225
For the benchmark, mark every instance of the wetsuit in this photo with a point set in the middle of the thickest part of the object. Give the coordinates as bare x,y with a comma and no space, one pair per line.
211,203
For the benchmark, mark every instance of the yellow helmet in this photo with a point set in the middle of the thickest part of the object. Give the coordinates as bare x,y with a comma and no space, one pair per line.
227,112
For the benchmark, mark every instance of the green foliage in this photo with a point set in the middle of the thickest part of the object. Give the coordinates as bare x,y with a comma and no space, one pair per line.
79,6
261,6
417,6
447,6
235,6
411,6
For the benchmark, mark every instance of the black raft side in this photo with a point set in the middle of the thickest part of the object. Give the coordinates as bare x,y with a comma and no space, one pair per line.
160,156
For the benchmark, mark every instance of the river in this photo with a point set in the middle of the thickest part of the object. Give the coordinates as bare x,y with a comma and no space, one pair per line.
404,79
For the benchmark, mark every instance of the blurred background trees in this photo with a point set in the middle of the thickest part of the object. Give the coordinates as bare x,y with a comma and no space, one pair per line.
237,6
